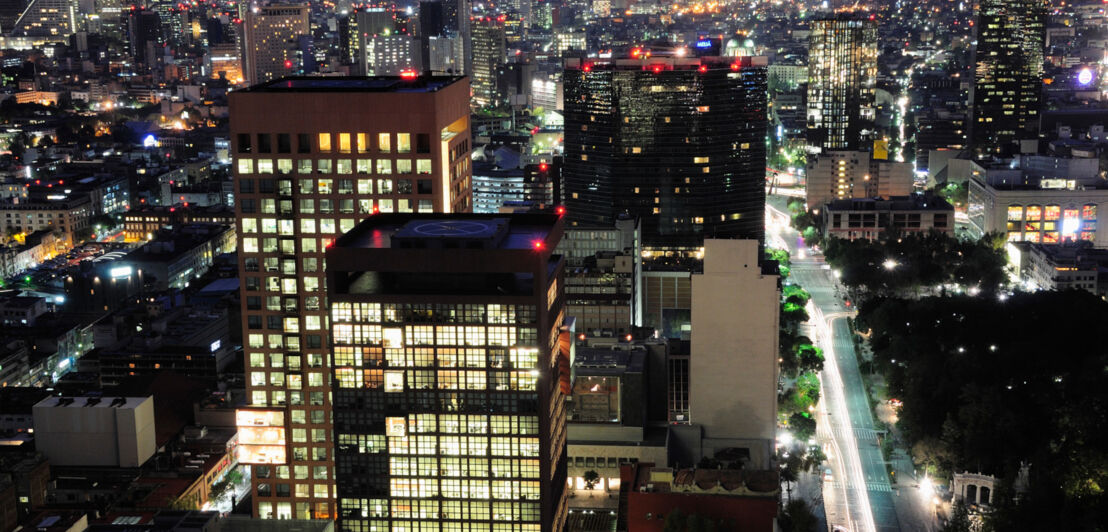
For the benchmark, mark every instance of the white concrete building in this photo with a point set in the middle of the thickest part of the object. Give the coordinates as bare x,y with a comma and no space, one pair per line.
733,363
1038,215
95,431
837,175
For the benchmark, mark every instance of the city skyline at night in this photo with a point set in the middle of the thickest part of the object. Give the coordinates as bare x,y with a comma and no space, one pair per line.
553,265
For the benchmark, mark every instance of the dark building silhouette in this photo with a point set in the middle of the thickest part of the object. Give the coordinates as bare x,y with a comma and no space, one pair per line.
677,142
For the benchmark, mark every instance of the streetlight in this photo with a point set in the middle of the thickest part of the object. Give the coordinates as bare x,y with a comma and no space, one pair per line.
890,264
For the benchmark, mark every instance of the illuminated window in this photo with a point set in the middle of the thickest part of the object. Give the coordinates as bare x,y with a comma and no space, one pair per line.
1088,212
403,142
384,166
1052,212
246,166
1015,212
700,160
344,142
304,166
1034,213
383,143
324,142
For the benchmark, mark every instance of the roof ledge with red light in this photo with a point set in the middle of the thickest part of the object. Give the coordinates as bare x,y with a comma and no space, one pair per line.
660,64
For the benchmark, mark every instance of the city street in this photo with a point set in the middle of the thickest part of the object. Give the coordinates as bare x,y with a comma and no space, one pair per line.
859,496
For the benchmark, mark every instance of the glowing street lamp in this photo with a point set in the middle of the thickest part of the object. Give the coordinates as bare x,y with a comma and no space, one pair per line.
890,264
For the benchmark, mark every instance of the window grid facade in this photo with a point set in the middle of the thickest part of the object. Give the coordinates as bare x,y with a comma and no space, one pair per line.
299,186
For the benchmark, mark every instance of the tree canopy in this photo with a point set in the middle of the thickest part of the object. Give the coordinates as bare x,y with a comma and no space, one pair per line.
988,383
897,264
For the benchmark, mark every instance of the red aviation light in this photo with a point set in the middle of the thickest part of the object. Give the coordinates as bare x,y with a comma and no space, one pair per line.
559,210
736,67
587,68
409,74
657,69
703,69
538,244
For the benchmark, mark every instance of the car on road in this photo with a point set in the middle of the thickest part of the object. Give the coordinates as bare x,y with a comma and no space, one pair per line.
827,475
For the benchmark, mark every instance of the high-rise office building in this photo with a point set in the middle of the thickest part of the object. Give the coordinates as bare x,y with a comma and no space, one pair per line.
451,365
143,35
390,55
489,54
272,44
1008,75
50,20
842,81
314,157
677,142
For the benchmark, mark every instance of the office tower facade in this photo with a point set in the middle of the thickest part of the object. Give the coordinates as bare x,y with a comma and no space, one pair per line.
677,142
842,81
489,54
272,43
390,55
143,35
1008,75
313,157
451,365
51,20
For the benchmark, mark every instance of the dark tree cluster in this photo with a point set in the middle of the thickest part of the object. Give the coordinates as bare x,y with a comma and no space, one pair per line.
899,264
988,383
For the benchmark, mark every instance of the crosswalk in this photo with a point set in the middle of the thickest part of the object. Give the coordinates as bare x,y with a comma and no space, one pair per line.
870,486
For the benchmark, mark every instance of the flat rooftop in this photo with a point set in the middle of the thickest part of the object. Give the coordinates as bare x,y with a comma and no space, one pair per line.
491,231
913,202
376,84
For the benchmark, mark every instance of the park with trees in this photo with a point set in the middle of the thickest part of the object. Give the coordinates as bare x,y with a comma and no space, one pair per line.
992,382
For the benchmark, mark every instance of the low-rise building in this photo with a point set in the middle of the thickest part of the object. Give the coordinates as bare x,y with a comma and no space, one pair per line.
731,499
613,417
70,216
173,258
143,223
1025,213
1070,266
852,219
95,431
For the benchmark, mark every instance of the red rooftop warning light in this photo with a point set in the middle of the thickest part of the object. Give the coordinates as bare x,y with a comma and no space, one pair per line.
288,63
538,244
543,167
587,68
409,74
703,69
735,66
559,210
657,69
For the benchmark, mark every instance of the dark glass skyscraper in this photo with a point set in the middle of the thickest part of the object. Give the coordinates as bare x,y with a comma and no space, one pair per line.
678,142
1008,75
842,81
